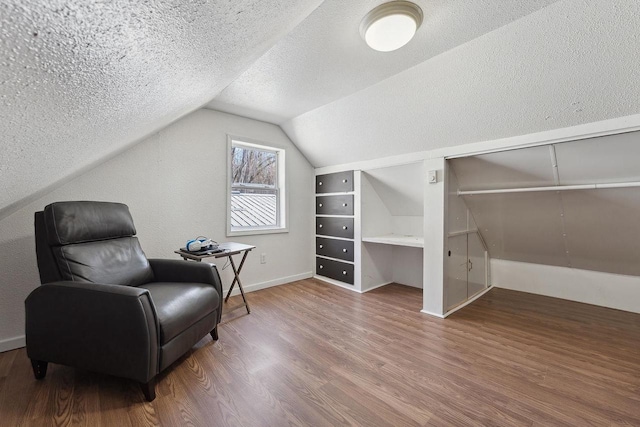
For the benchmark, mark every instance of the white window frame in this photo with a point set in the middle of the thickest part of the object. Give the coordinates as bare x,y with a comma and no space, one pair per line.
281,190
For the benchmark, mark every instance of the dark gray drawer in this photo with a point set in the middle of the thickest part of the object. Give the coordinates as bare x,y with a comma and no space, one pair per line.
335,270
342,249
334,205
338,227
335,182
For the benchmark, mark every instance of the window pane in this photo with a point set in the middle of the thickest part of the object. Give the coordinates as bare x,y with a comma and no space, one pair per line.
254,193
253,167
253,210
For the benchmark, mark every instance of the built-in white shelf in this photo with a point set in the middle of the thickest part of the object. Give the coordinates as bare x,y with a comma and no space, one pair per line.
397,240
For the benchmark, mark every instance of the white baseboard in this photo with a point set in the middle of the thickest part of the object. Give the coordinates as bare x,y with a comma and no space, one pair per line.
432,314
591,287
12,343
337,283
469,301
376,287
269,283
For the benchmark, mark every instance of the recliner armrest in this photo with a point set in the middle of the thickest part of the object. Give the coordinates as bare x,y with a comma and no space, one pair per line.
173,270
111,329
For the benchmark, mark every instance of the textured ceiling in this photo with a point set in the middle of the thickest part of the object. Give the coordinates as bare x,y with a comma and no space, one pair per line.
572,62
82,80
325,59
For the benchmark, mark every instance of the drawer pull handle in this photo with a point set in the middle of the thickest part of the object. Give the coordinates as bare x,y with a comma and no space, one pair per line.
319,225
344,273
344,250
320,183
320,246
320,204
344,227
344,204
321,266
344,180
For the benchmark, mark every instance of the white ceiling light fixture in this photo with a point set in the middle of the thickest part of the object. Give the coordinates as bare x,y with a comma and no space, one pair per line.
391,25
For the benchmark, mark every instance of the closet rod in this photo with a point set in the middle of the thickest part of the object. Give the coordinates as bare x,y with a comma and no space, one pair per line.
551,188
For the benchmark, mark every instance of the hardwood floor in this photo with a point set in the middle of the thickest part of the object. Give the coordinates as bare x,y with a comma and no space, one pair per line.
314,354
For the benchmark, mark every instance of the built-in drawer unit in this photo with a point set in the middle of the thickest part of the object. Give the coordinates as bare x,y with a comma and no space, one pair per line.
335,226
335,270
334,248
340,182
334,205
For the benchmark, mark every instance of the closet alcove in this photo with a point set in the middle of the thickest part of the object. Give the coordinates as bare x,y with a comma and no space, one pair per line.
392,210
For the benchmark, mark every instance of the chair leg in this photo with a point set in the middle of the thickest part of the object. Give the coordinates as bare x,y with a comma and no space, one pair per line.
214,333
39,368
149,389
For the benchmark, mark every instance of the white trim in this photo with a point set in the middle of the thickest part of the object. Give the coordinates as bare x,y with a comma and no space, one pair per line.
555,136
585,131
12,343
378,286
282,211
337,283
467,302
396,240
335,259
462,233
357,230
432,314
270,283
326,236
255,231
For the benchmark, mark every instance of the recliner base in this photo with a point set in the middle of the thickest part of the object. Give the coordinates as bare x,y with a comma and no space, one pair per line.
149,389
39,368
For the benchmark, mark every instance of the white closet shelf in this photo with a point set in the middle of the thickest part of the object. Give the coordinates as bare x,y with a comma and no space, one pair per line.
397,240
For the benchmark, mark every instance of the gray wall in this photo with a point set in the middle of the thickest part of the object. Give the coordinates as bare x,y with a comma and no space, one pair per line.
175,185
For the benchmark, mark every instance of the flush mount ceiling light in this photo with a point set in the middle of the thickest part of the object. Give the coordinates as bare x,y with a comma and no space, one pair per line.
391,25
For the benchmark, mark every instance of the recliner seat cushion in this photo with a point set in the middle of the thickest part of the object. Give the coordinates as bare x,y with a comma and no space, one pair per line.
181,305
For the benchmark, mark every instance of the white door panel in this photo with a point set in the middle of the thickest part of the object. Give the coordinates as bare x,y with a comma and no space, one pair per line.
456,291
477,267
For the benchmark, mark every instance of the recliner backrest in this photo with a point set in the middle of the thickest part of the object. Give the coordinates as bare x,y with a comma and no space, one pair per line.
90,242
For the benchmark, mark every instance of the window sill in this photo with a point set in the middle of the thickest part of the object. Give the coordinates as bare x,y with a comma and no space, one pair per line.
275,230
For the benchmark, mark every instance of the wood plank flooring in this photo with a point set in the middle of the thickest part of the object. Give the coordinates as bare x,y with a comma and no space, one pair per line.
316,355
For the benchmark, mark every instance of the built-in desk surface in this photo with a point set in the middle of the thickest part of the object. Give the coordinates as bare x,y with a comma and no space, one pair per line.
397,240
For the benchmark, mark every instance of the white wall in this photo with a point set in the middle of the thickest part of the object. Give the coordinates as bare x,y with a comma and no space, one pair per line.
591,287
435,226
175,185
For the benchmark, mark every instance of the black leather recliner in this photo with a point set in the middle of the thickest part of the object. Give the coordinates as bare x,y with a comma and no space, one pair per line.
103,306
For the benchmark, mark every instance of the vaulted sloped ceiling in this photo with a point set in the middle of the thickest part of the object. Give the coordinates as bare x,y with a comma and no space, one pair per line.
477,70
325,59
570,63
81,80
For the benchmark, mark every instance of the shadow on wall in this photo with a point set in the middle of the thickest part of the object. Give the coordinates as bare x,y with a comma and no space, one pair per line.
19,276
19,264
